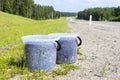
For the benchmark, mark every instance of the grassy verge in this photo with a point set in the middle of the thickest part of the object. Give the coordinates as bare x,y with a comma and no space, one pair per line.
43,27
12,62
13,27
64,69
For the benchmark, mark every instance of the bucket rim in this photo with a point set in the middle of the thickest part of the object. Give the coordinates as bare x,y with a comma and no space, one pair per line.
63,35
37,38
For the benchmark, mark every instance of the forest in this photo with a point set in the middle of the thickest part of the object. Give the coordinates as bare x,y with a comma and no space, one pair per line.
27,8
67,14
101,14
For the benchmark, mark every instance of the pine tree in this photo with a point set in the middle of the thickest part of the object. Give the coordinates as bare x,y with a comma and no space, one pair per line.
7,6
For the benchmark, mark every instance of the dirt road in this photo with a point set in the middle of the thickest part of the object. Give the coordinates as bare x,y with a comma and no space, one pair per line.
101,47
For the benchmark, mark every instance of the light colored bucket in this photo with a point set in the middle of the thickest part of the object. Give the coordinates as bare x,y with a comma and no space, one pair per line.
69,43
40,52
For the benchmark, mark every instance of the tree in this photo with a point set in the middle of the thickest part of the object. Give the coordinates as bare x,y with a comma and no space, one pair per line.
7,6
1,5
117,11
27,8
98,13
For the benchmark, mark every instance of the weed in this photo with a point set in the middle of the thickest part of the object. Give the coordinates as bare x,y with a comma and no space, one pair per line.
65,68
59,71
118,79
69,67
78,51
104,69
82,58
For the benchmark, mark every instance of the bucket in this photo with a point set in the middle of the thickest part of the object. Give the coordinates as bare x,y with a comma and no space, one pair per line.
40,52
69,43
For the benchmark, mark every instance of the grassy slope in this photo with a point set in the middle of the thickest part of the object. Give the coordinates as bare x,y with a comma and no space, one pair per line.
11,29
8,20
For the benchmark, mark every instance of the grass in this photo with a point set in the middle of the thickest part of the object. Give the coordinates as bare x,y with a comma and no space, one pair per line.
82,58
78,51
64,69
69,67
59,71
12,62
12,27
104,69
118,79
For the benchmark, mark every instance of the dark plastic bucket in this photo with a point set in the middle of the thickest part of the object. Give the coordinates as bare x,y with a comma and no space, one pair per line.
69,43
40,52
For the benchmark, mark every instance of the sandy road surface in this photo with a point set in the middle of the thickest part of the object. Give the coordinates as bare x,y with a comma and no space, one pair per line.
101,46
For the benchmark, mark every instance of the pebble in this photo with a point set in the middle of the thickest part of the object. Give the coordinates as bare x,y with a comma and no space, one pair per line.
105,53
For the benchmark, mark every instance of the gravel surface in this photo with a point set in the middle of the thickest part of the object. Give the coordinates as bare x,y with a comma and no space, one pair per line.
101,46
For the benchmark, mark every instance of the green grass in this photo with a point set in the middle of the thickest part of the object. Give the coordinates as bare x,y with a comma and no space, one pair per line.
64,69
78,51
82,58
12,28
8,20
69,66
118,79
59,71
13,63
104,69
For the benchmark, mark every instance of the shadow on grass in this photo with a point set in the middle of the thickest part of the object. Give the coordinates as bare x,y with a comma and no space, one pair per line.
18,61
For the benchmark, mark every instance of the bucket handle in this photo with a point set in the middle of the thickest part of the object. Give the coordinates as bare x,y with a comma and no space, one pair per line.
80,41
59,46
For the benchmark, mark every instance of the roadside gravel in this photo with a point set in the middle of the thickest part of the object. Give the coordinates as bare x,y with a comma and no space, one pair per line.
101,47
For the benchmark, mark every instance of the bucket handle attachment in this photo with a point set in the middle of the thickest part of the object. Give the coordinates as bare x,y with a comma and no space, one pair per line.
80,41
59,46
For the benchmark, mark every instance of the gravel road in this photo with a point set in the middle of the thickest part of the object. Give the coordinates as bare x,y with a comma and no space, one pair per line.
101,47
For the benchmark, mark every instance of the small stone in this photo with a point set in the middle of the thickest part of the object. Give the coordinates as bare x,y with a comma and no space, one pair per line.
115,41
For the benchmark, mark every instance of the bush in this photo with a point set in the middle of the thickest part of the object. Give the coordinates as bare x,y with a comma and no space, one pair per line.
115,18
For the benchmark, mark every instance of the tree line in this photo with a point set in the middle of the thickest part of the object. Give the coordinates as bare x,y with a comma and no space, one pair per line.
67,14
28,8
101,14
